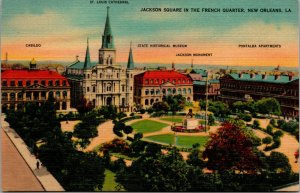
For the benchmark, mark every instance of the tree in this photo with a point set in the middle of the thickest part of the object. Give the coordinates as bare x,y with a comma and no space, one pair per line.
211,119
267,140
175,102
278,163
127,129
108,112
84,106
219,108
230,149
160,106
195,157
118,128
268,106
85,132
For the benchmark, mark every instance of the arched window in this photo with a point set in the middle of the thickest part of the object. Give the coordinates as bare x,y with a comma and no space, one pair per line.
151,81
65,94
50,94
156,100
189,90
151,101
174,90
57,83
12,96
146,102
20,96
152,91
94,88
169,91
146,92
157,92
164,91
179,91
57,94
184,91
4,96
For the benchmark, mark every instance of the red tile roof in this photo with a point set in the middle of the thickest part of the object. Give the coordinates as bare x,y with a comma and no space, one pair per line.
31,74
162,74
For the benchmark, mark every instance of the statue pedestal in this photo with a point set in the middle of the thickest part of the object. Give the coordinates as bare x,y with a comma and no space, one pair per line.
190,123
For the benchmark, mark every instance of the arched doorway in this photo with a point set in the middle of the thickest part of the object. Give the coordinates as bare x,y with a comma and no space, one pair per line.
64,106
108,101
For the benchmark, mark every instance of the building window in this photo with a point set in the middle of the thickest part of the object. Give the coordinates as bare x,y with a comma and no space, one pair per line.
146,92
100,75
146,102
123,88
152,91
50,83
64,106
179,91
169,91
57,83
179,81
57,94
87,89
94,88
174,81
183,81
174,90
4,83
65,94
157,92
146,81
88,75
117,75
12,83
43,82
162,81
156,81
4,96
130,75
184,91
164,91
108,87
189,91
12,96
64,83
151,81
20,83
50,94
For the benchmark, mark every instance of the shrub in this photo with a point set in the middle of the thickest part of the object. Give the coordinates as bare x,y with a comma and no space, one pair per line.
131,114
255,124
270,129
150,110
278,133
142,111
280,122
273,122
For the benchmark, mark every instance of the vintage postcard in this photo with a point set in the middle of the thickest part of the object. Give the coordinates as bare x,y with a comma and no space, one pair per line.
140,95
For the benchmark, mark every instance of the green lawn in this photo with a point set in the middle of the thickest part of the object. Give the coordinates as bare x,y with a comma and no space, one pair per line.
175,119
109,182
147,126
182,141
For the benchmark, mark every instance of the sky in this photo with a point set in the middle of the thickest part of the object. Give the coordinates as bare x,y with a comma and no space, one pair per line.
62,27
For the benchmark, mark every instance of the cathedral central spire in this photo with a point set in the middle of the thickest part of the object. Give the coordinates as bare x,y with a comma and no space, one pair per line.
87,61
107,37
130,64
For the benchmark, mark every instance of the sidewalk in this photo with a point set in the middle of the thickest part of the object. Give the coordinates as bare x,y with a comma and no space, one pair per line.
46,179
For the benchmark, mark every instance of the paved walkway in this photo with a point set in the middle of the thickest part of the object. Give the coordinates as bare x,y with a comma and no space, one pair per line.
16,174
48,182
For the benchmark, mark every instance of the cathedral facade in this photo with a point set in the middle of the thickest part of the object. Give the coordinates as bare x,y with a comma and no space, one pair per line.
105,83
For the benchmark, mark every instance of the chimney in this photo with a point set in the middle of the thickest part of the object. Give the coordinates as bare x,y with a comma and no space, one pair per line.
240,75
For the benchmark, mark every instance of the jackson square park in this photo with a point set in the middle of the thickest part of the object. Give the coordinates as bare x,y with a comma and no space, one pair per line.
174,145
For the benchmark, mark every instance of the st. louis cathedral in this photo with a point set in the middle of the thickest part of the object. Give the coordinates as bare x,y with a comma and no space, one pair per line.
103,83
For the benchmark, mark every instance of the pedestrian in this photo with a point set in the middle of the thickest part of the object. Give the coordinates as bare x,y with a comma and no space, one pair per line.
38,165
296,154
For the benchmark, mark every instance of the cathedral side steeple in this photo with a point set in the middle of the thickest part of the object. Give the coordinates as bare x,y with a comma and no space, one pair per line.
130,64
87,61
107,37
